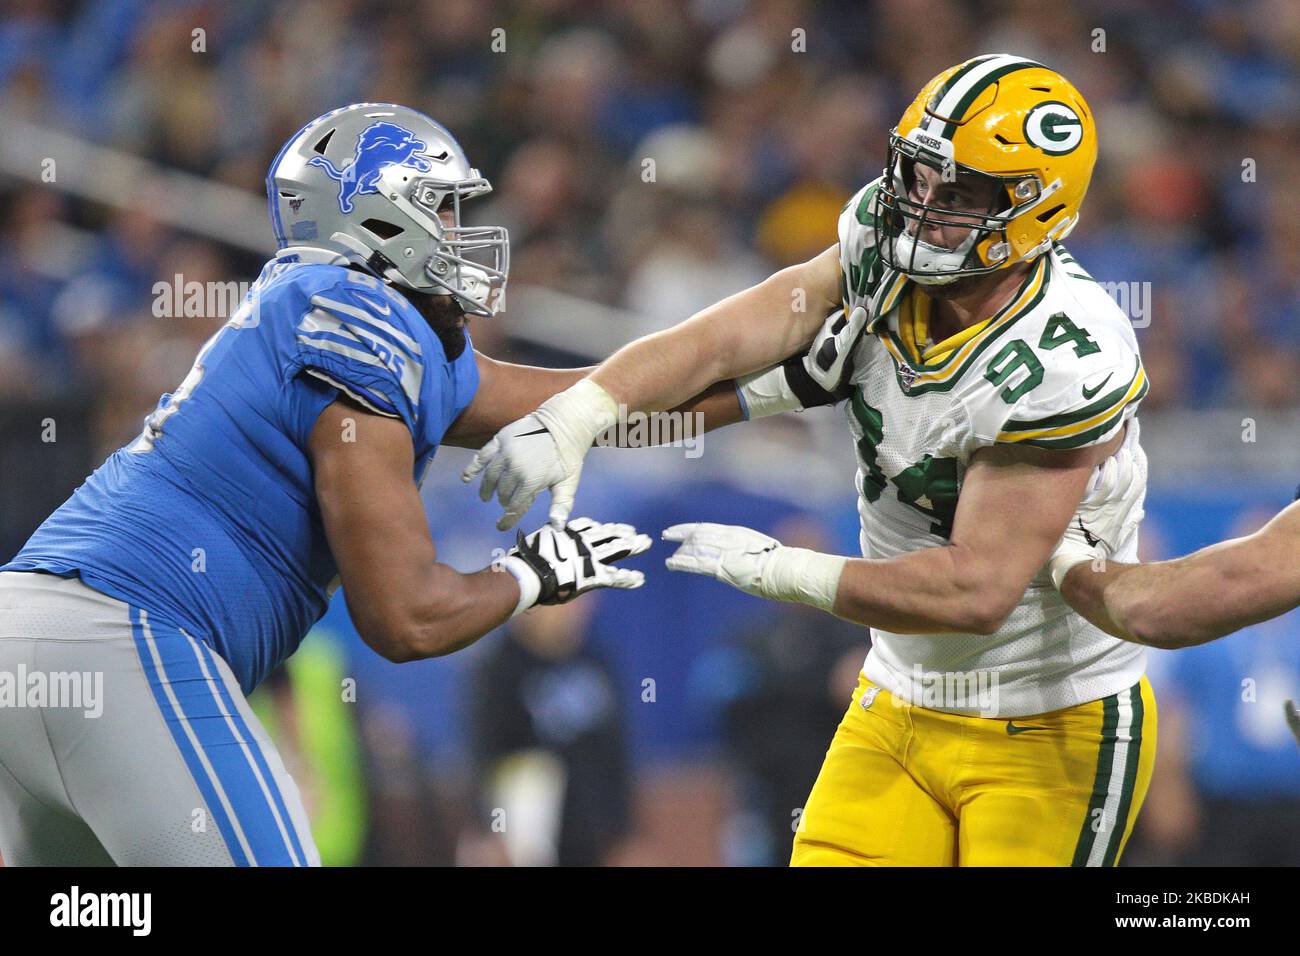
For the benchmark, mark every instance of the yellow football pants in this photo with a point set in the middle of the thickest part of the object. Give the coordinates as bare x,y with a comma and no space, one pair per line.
903,785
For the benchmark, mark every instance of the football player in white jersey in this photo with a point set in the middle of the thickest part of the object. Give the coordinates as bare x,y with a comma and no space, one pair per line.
987,377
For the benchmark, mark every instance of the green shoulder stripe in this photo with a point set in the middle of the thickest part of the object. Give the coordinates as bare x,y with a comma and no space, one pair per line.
1086,437
863,212
1069,418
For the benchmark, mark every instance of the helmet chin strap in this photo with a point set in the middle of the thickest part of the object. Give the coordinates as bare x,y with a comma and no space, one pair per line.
935,261
366,257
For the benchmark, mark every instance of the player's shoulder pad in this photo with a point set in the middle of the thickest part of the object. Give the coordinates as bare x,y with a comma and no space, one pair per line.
857,235
364,338
1070,377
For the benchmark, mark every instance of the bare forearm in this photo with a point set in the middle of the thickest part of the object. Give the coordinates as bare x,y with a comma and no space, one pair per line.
935,590
483,600
714,408
439,612
1190,600
1090,591
506,392
972,584
741,334
509,392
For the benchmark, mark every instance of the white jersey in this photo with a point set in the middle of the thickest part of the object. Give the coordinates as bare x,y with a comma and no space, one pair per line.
1058,367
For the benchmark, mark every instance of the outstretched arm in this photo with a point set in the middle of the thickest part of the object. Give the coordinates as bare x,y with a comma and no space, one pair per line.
1197,598
745,333
405,603
508,392
1014,505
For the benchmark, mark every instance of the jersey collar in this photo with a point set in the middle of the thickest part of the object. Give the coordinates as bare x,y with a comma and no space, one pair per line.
311,255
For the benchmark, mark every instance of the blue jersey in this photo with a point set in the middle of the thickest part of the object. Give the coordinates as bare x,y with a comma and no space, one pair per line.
209,518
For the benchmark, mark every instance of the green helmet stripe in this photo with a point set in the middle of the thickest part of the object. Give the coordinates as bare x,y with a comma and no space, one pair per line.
959,97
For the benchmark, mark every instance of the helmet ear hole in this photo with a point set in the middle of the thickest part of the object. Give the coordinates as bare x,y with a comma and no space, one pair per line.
384,230
1049,213
323,143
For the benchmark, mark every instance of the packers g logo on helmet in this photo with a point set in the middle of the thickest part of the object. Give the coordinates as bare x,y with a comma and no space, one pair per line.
1054,128
1008,126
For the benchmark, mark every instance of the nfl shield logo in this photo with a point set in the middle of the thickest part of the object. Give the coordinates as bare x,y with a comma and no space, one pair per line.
906,375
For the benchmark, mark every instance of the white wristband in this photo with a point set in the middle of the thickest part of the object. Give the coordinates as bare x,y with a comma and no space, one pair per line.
1058,566
530,585
797,574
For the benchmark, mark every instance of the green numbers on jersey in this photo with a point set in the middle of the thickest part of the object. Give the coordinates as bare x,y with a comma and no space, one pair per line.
1018,355
929,486
1015,355
872,424
1060,330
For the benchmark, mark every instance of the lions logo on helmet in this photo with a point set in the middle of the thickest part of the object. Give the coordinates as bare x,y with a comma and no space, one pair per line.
390,201
378,146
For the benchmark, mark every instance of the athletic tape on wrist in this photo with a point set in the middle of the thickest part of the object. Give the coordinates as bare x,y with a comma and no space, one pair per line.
530,586
1058,566
767,393
810,577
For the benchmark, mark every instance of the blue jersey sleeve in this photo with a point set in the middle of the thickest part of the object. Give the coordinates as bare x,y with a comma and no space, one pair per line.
358,340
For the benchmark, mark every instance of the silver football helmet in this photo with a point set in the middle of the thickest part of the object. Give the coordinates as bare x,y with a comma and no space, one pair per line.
370,181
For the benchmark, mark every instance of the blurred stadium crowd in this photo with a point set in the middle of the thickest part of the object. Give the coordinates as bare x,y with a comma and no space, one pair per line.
756,147
762,117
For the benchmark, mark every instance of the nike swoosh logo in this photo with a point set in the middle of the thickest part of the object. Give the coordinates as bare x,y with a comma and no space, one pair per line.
383,308
1088,536
1089,392
1012,729
537,431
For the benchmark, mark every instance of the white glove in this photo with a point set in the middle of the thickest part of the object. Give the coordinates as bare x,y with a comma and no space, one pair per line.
555,566
1110,512
830,351
756,563
543,450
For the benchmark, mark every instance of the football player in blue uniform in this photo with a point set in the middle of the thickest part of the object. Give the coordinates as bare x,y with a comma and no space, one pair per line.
195,559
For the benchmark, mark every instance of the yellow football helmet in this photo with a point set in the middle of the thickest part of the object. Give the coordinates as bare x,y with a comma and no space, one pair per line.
1001,120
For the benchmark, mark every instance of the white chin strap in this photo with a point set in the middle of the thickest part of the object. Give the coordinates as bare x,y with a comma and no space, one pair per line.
475,285
932,259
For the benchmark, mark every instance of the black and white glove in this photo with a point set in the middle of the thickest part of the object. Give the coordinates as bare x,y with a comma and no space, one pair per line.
554,566
819,376
827,361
